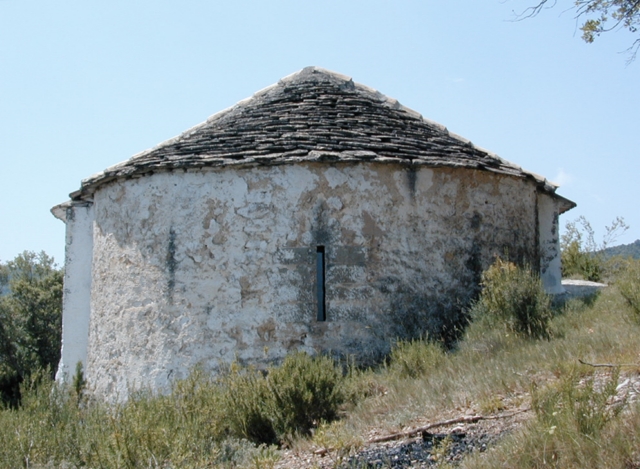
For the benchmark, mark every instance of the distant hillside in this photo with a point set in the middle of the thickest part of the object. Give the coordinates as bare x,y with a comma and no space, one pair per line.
624,250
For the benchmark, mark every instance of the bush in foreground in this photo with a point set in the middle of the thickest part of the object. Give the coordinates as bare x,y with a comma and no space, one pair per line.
205,422
290,400
305,391
514,296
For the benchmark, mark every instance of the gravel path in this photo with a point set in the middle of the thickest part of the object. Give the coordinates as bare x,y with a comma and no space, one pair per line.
422,451
450,444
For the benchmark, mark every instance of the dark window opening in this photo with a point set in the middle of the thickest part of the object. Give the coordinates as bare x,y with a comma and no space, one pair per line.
320,287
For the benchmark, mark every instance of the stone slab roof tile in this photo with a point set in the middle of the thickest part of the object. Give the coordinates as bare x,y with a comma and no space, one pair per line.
311,115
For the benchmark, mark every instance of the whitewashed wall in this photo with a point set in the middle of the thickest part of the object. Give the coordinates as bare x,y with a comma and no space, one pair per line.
207,267
76,302
550,266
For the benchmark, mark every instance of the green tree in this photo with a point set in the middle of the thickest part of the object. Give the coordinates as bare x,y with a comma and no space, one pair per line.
600,16
30,320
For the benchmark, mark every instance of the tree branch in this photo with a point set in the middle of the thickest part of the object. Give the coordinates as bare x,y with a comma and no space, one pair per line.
608,365
442,423
534,10
597,17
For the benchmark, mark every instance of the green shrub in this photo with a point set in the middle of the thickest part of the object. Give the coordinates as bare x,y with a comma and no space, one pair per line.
515,297
48,427
248,403
189,428
628,283
305,391
411,359
291,400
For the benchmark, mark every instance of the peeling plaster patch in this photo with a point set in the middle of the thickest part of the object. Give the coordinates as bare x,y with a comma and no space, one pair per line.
335,177
413,182
296,180
267,331
370,227
210,216
361,179
334,203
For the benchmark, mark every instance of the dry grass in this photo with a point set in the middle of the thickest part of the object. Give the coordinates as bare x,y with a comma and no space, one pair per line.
575,426
492,369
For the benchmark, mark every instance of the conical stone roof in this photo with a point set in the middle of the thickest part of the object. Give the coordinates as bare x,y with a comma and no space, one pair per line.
313,115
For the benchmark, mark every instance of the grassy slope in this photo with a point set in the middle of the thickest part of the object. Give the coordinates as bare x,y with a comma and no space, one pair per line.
492,369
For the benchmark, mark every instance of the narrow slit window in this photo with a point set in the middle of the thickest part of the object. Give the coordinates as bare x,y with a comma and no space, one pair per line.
320,292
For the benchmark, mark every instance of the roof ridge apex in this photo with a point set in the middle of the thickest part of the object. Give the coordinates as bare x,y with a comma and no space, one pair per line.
315,69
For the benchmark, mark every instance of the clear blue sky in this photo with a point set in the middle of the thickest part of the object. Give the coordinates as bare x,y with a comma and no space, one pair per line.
87,84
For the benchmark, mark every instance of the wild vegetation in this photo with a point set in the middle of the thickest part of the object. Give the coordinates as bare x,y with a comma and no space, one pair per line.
30,320
243,417
583,256
518,353
513,297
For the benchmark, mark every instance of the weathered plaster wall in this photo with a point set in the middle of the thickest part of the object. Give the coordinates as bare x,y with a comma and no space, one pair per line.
77,288
550,267
204,267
